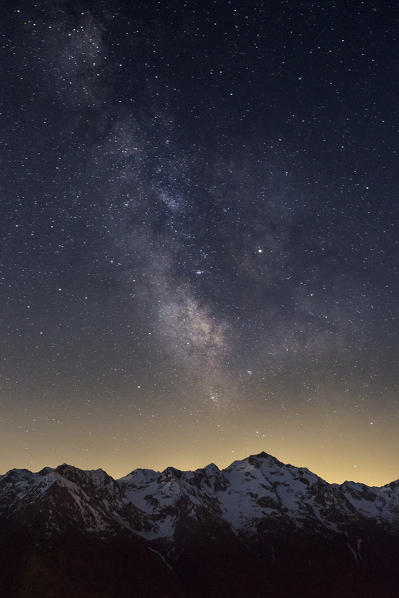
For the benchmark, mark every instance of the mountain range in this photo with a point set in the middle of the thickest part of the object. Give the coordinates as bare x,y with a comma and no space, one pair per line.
257,529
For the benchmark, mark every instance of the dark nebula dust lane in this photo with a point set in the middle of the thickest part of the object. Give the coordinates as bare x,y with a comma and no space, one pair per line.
199,235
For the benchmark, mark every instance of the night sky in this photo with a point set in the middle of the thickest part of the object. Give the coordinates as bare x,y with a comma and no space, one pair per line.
199,235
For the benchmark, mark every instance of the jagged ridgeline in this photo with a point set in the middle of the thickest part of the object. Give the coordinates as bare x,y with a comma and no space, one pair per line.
258,528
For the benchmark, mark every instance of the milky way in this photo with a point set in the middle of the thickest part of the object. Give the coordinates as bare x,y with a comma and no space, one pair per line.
198,231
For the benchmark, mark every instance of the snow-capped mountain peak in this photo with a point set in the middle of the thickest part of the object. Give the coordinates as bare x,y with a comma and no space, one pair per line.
249,496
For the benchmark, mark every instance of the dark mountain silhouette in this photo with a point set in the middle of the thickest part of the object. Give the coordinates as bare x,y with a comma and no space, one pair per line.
256,529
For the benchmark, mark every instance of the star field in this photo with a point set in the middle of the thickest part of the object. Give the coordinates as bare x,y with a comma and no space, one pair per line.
199,235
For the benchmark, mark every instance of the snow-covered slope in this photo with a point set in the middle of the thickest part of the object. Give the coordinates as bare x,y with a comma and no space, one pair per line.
257,528
250,493
250,496
62,497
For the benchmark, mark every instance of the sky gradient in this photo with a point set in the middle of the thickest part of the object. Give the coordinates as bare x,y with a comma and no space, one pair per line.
199,235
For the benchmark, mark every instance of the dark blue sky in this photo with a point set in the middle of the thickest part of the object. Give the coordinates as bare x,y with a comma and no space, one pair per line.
199,233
